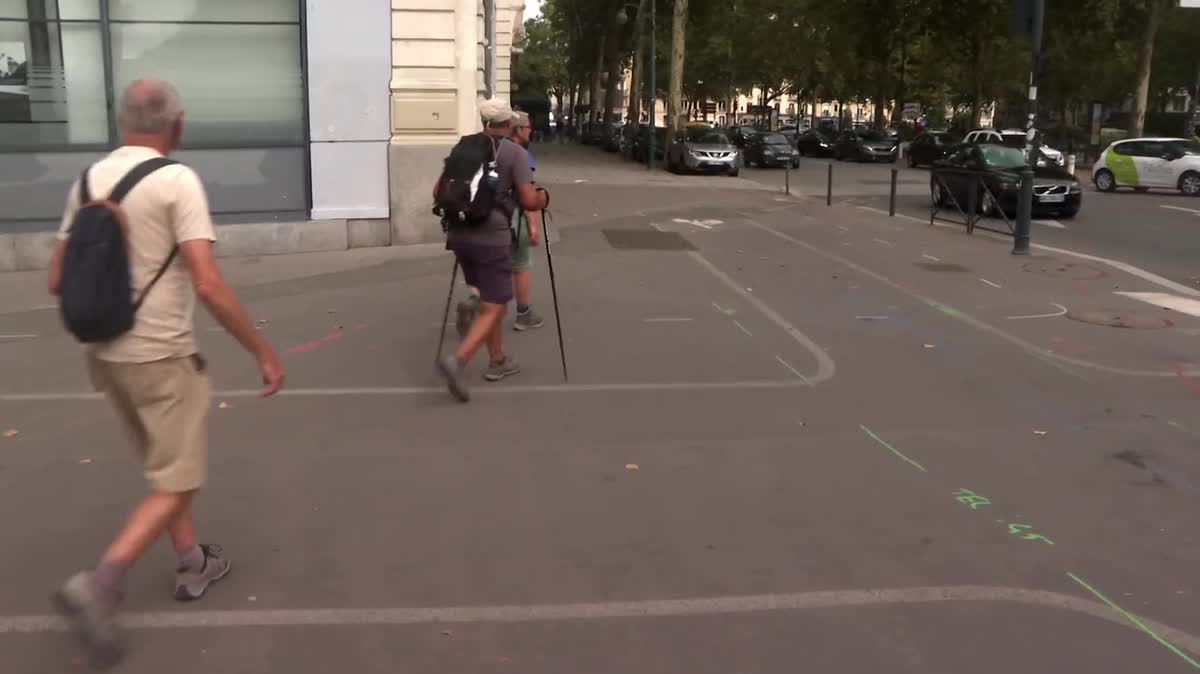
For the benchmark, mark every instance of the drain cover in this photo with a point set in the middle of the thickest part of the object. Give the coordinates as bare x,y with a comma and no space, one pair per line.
1070,271
941,266
646,239
1120,319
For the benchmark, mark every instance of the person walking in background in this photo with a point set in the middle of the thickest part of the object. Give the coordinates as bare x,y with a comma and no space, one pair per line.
527,234
152,374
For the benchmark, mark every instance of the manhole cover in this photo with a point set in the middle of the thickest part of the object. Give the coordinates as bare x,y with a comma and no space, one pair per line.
1070,271
1120,319
646,239
941,266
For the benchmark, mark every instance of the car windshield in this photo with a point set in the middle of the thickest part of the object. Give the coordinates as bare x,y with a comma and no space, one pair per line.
1001,156
707,137
871,135
774,139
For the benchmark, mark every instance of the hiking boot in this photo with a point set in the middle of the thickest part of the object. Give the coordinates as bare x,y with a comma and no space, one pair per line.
93,618
450,368
465,315
498,371
191,585
528,321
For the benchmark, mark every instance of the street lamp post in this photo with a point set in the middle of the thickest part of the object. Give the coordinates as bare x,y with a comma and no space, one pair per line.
1025,201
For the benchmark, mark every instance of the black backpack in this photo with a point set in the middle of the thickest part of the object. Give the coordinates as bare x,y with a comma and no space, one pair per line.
466,191
96,293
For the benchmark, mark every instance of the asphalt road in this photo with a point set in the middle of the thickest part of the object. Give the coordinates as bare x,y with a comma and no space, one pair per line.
784,445
1158,231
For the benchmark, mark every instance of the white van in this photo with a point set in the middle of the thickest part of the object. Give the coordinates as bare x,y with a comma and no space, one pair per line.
1144,163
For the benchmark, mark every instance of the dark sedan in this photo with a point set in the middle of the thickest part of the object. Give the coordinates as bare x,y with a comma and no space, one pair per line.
770,149
865,145
816,143
998,169
930,147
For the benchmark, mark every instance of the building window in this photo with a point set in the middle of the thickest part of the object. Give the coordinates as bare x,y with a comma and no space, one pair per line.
237,66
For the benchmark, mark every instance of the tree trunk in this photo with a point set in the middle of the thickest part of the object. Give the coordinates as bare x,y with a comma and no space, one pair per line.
574,104
1141,92
638,88
977,86
612,58
678,51
596,95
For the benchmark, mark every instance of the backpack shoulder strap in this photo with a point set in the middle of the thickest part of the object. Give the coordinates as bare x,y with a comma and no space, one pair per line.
85,193
158,275
136,175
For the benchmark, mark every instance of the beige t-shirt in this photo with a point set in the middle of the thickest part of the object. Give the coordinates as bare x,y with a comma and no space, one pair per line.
165,209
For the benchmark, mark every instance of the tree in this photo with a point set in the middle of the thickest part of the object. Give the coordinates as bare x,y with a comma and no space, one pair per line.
541,69
678,52
1141,89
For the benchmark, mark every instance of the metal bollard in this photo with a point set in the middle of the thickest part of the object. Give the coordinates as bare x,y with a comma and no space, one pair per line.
1071,164
829,187
787,178
892,198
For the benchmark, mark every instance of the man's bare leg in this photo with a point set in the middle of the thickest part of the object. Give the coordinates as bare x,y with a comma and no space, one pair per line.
145,524
523,286
487,322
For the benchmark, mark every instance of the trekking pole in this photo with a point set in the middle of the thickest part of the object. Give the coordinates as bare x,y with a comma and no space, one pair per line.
446,316
546,220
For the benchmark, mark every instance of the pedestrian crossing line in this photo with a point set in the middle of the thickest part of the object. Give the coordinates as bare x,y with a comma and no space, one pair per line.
1183,305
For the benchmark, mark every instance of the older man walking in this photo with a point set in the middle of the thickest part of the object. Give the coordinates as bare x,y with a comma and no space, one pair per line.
527,234
153,374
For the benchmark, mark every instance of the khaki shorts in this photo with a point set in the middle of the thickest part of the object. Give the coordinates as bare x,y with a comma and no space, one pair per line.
164,407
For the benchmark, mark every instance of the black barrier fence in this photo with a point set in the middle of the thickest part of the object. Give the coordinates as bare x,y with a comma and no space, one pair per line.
980,199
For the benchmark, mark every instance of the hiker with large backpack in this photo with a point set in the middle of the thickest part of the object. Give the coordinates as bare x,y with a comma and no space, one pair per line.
484,180
134,250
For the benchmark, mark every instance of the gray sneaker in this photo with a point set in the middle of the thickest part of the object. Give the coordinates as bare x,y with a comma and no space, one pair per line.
498,371
452,370
191,585
528,321
92,617
464,316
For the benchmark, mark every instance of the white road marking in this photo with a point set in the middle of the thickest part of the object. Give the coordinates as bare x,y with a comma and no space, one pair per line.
930,257
653,608
843,228
401,391
18,336
880,211
994,285
743,328
1168,301
889,244
706,224
668,320
793,370
1049,223
1180,208
1062,311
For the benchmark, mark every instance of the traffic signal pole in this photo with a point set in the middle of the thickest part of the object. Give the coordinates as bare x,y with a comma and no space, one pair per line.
1025,203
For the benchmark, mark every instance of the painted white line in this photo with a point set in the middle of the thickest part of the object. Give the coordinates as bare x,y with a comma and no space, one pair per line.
889,244
668,320
880,211
1049,223
743,328
18,336
1062,311
843,228
1055,360
1180,208
402,391
1183,305
653,608
930,257
994,285
706,224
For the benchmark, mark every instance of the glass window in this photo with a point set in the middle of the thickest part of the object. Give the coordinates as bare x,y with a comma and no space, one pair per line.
240,85
51,85
1127,149
204,10
42,10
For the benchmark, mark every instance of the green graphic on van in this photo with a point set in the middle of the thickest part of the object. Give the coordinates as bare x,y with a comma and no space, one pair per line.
1122,166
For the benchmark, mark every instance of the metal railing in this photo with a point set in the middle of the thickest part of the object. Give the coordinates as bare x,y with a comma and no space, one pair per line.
970,213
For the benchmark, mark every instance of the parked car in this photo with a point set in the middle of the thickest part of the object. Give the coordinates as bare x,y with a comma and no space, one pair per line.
738,135
706,150
999,168
865,145
770,149
1144,163
641,143
816,143
1014,138
929,147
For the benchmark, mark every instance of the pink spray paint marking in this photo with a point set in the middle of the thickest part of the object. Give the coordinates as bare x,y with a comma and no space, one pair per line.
320,342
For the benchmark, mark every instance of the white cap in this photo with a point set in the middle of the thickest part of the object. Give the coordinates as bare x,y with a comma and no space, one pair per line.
496,112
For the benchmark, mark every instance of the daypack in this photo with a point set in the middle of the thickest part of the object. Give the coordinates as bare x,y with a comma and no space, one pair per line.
467,189
96,293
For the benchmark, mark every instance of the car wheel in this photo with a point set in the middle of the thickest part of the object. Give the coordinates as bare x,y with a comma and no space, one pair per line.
1105,182
795,163
1189,184
912,162
936,194
734,173
987,204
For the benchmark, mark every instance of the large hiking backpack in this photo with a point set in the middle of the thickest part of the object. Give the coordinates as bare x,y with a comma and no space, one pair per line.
96,293
466,191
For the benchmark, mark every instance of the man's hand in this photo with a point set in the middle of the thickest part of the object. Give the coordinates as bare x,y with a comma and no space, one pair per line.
272,372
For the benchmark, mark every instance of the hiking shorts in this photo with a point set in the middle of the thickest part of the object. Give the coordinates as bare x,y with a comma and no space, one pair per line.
488,269
163,406
522,259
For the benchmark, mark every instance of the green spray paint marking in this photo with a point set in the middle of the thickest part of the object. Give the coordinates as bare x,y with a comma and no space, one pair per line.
949,311
1178,426
1134,619
742,328
977,501
893,450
